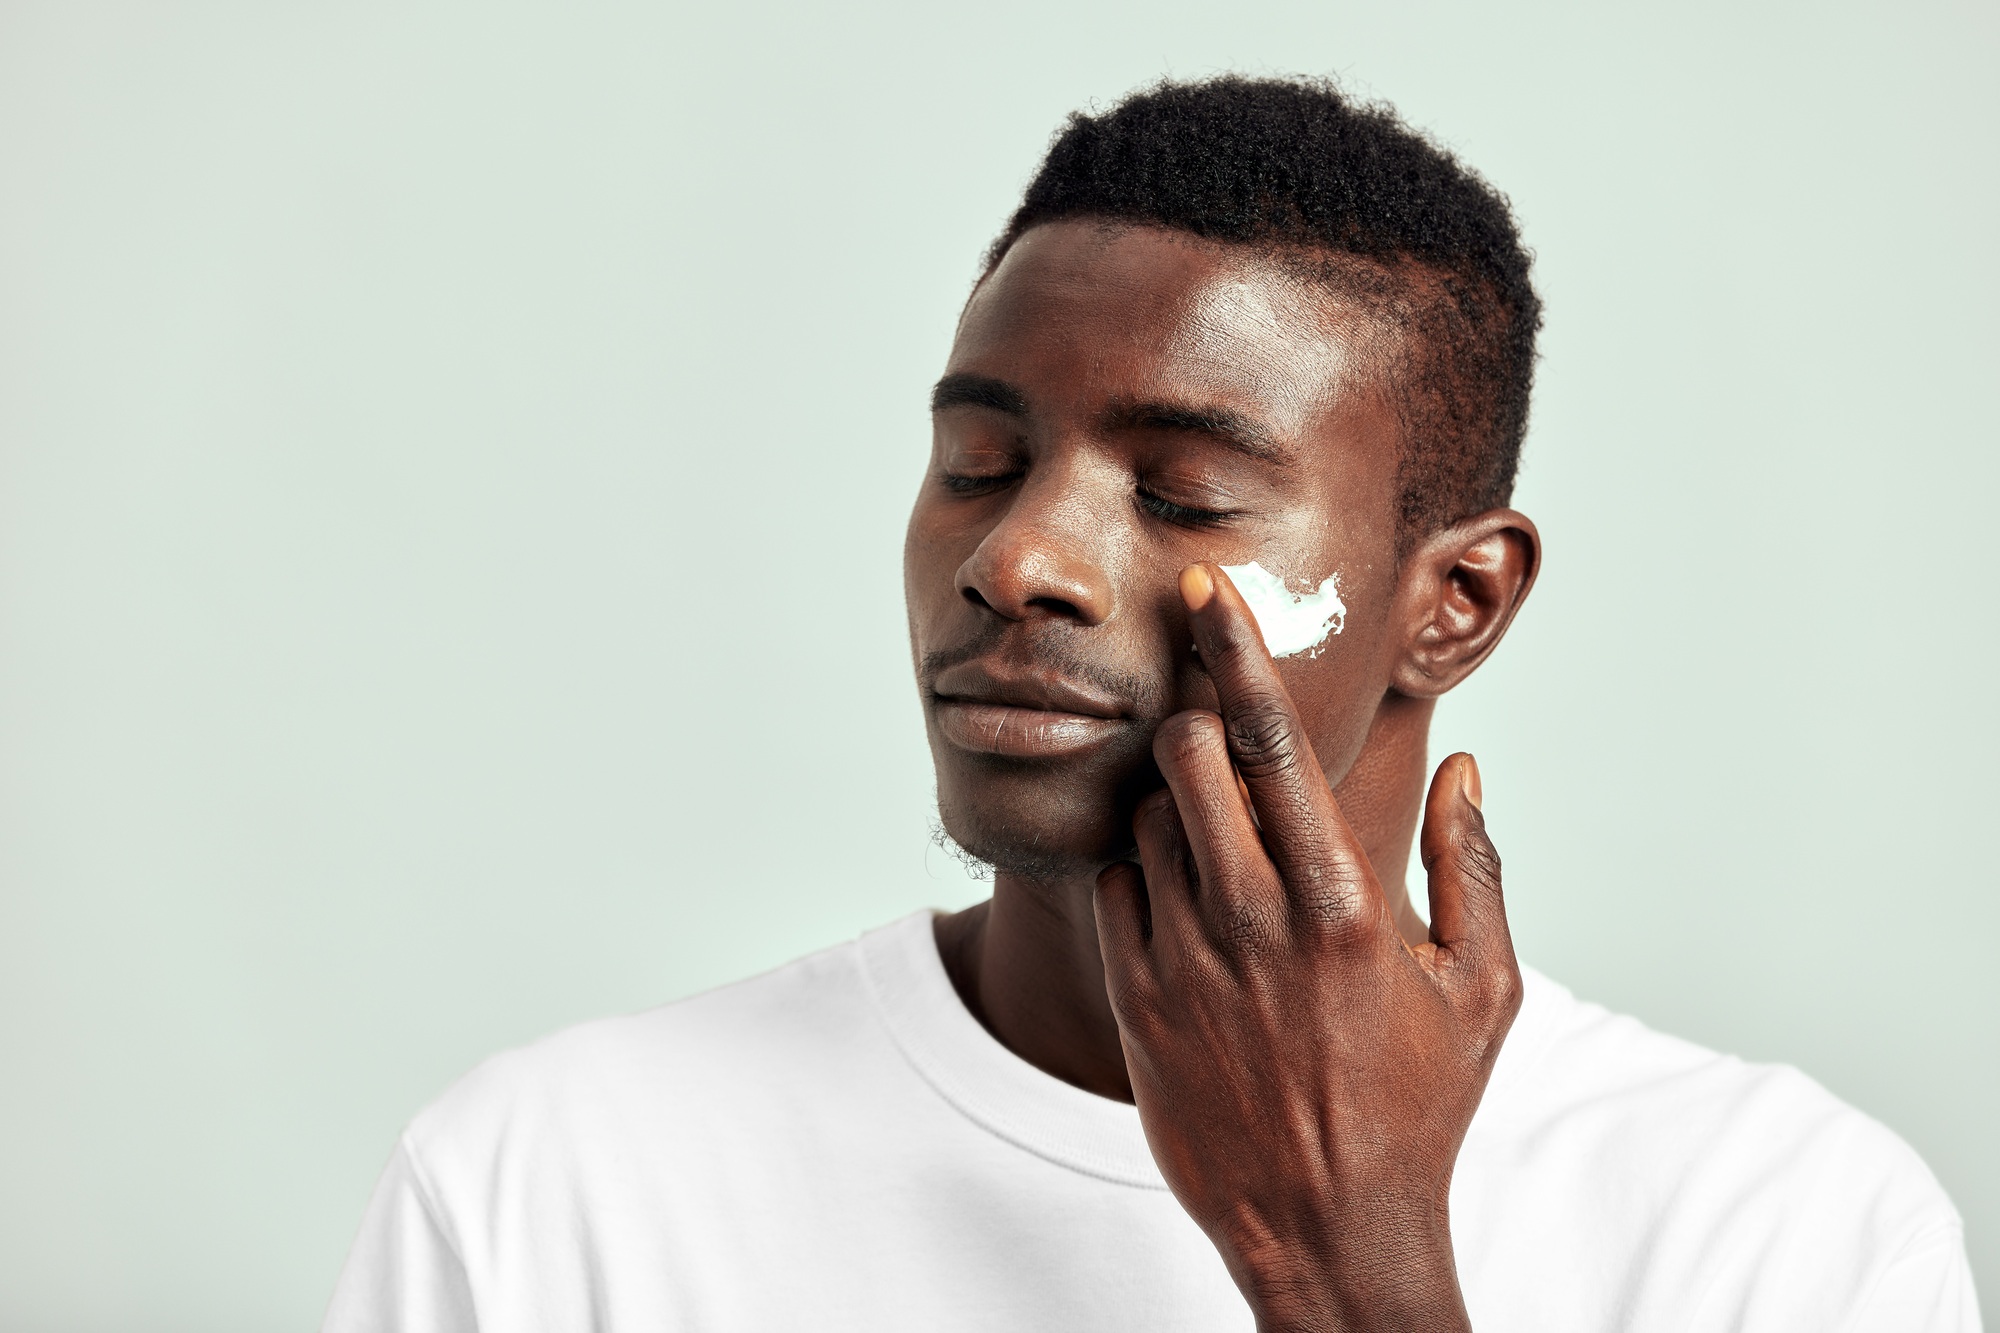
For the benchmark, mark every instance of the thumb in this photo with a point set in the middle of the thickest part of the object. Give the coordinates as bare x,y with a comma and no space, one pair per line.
1468,916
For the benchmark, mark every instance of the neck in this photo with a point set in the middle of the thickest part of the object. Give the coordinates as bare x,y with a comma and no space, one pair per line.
1025,961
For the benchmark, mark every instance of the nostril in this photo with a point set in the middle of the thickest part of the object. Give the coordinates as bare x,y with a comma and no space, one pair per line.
1057,606
972,595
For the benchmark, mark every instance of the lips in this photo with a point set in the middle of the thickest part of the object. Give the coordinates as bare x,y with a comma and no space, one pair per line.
1023,714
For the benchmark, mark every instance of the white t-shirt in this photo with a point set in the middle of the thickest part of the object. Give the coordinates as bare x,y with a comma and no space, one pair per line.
838,1145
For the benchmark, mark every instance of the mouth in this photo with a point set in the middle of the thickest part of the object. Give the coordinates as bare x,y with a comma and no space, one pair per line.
1023,714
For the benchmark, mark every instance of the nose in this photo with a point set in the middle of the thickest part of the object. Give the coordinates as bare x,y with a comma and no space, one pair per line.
1043,559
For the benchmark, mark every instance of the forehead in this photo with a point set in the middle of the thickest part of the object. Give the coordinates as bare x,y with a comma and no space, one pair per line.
1081,313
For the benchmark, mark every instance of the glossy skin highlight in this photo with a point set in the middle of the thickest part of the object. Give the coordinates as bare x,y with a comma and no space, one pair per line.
1200,852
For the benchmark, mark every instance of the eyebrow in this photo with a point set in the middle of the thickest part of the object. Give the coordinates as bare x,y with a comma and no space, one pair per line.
961,390
1223,425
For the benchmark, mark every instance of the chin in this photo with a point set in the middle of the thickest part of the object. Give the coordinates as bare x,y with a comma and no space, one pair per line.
1035,825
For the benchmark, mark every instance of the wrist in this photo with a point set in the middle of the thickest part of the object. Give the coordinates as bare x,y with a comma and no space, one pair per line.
1385,1275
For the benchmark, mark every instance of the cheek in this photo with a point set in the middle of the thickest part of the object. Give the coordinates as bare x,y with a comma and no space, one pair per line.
1340,692
927,582
931,553
1331,689
1339,686
1337,699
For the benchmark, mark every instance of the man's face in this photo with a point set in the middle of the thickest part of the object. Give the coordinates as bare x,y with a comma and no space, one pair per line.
1119,403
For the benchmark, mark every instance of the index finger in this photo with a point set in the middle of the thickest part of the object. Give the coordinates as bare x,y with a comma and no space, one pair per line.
1316,852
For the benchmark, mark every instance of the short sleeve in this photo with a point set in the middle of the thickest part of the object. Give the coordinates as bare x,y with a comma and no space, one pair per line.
403,1274
1926,1289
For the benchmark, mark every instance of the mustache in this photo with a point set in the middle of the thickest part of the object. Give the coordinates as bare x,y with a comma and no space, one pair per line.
1047,649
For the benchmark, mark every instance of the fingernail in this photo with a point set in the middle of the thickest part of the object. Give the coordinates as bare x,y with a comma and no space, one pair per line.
1196,587
1468,781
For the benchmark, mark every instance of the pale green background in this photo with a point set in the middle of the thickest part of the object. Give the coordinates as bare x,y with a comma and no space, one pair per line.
399,404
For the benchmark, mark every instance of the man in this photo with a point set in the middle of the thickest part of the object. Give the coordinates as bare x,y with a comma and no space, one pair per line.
1198,1063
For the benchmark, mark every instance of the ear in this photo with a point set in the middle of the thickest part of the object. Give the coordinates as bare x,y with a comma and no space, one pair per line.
1458,592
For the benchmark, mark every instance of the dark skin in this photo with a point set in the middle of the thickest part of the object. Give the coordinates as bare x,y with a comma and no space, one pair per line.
1200,852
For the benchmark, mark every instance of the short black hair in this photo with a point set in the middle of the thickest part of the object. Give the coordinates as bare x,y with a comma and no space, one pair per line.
1295,167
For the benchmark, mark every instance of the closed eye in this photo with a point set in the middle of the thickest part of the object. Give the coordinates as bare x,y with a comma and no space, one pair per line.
1186,516
964,483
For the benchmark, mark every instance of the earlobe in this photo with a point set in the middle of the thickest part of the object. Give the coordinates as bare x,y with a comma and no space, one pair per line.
1458,594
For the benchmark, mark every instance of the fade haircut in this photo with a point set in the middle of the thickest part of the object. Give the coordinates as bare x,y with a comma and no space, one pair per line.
1366,204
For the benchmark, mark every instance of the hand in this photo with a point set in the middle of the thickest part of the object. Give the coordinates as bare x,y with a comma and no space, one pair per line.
1305,1078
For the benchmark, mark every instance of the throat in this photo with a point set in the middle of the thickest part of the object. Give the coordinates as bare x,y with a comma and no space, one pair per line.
1025,964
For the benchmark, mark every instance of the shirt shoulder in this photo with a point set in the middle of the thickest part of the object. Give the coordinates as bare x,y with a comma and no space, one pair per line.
1704,1182
508,1191
765,1020
693,1078
1606,1079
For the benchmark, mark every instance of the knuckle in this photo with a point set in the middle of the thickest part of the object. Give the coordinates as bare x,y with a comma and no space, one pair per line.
1495,992
1502,993
1261,736
1499,976
1328,897
1478,859
1136,1003
1240,928
1243,927
1184,739
1480,853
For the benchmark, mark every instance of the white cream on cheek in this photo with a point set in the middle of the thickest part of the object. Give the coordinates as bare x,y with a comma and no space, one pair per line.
1293,622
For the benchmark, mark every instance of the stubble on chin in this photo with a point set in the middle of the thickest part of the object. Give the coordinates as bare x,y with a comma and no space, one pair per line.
986,848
